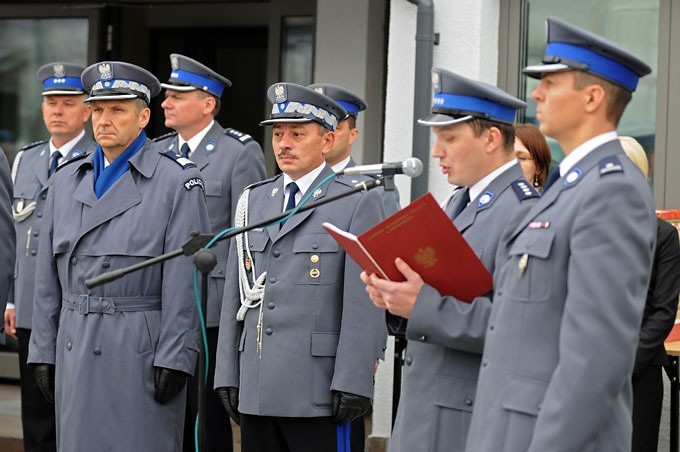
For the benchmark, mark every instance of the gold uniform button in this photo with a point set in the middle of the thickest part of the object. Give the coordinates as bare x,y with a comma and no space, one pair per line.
314,273
314,258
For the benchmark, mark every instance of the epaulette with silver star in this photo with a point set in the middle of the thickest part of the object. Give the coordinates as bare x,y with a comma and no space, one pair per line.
181,161
351,180
74,158
238,135
34,144
165,135
610,165
262,182
524,190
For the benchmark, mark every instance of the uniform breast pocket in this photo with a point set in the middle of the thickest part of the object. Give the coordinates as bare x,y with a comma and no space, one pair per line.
317,259
529,274
25,190
257,241
213,187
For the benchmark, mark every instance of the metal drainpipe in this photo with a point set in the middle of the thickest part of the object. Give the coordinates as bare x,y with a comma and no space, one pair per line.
422,92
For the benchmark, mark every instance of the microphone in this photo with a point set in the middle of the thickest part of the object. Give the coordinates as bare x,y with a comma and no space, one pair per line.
411,167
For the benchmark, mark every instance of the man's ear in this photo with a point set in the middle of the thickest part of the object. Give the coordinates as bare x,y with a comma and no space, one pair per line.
353,135
328,141
594,97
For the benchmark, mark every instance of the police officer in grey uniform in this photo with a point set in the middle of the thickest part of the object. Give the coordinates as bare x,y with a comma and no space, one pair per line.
572,276
229,160
123,350
7,237
474,142
339,158
346,133
298,334
64,115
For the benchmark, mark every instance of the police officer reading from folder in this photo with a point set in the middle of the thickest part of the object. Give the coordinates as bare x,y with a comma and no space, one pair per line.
122,350
298,336
474,142
64,115
7,239
229,160
572,276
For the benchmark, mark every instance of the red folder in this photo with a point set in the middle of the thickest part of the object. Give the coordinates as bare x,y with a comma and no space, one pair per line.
426,239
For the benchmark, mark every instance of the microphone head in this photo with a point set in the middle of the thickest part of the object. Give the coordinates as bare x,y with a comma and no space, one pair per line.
412,167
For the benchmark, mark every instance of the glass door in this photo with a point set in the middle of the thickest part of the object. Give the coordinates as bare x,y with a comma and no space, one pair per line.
29,38
634,24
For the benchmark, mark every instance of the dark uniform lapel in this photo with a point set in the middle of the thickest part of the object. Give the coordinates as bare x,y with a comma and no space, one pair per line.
273,206
41,170
549,198
496,187
298,218
200,155
84,192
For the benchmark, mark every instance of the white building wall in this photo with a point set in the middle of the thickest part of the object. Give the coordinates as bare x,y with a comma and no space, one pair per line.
468,45
349,53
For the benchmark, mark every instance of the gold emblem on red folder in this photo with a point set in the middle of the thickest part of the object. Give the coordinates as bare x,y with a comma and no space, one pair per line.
426,257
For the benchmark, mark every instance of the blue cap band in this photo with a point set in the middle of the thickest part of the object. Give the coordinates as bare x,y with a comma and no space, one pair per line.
474,104
63,82
597,63
197,80
349,107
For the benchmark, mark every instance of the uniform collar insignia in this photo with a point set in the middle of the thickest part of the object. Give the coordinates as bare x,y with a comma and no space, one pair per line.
485,199
572,177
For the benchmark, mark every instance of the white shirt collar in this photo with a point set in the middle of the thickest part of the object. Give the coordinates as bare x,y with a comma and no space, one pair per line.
194,141
66,148
303,183
584,149
341,165
484,182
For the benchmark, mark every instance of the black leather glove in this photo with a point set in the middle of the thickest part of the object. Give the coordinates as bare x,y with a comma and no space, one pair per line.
169,383
229,397
349,407
44,377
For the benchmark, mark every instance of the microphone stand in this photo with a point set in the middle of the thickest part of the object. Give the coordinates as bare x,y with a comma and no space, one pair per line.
205,260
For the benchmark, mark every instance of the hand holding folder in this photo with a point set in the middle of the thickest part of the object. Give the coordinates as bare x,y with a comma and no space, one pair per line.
426,239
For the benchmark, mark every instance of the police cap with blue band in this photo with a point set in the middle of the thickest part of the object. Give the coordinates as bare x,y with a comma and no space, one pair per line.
190,75
61,79
352,103
112,80
571,48
296,103
459,99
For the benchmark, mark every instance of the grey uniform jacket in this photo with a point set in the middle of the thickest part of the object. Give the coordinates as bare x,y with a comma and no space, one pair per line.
7,238
571,283
31,182
446,336
105,345
229,161
320,331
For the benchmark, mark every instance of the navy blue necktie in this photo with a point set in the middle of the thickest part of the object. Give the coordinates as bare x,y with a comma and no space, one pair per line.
54,161
552,177
464,200
292,189
185,151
